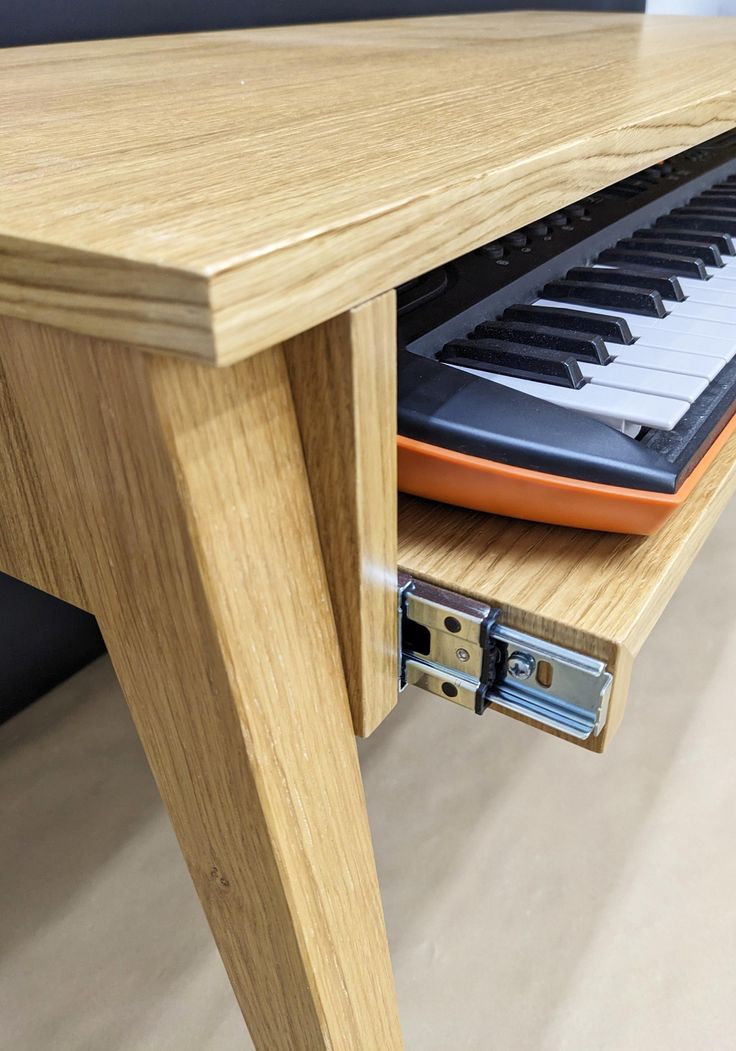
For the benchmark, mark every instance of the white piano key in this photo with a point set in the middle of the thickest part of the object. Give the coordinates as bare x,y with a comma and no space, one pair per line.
648,410
706,293
632,429
722,279
683,343
678,341
645,381
640,355
643,325
713,284
699,311
717,281
727,271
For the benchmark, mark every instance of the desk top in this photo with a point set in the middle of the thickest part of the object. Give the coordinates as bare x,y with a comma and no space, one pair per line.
216,193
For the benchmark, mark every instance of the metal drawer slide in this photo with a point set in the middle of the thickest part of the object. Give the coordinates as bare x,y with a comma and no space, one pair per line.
458,648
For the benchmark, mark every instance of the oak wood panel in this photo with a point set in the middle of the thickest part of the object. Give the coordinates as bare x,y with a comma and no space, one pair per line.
343,380
600,593
214,194
185,499
33,547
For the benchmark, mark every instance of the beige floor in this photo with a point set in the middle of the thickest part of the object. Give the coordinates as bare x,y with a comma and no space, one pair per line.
538,898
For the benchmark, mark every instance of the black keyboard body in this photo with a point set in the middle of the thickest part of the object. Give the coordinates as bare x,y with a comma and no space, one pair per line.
456,410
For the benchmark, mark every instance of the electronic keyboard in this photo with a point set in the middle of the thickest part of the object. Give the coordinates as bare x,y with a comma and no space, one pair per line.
582,370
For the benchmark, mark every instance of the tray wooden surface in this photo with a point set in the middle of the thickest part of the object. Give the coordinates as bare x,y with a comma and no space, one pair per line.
214,194
599,593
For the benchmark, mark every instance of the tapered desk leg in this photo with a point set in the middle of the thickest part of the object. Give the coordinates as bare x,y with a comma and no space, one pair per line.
187,507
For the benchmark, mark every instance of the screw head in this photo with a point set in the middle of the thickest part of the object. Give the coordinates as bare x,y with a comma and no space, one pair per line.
462,655
521,665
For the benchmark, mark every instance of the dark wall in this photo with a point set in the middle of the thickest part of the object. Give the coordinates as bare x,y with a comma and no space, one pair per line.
47,21
44,641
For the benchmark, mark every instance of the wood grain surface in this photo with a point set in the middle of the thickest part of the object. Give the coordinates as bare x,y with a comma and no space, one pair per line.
343,381
214,194
184,498
600,593
33,546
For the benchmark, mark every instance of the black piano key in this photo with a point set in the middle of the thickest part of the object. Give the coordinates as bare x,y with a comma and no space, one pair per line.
684,230
509,359
715,200
617,297
728,188
582,348
660,243
646,281
651,271
677,265
706,219
725,206
685,238
609,327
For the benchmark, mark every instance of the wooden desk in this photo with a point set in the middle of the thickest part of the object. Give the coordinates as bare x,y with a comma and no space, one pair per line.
249,199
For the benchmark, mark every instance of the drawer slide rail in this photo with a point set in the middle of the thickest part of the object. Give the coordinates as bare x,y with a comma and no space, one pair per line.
458,649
